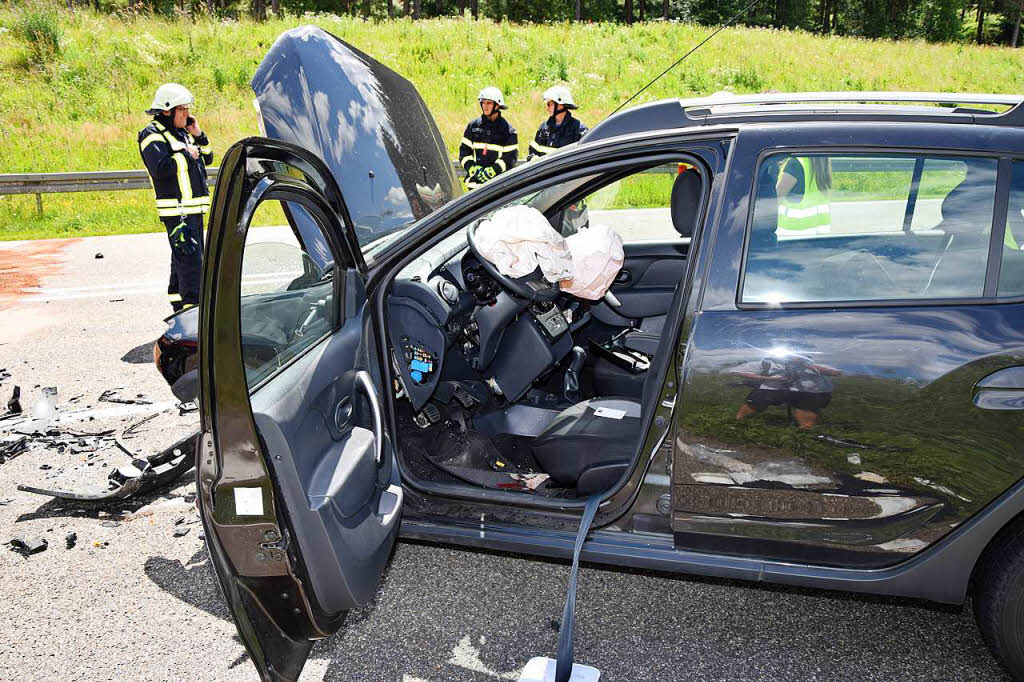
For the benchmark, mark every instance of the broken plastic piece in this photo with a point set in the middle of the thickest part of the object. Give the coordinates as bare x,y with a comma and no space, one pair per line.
12,448
142,476
46,406
27,547
14,404
110,396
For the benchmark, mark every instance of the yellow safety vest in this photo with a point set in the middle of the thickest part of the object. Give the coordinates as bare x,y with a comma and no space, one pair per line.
811,214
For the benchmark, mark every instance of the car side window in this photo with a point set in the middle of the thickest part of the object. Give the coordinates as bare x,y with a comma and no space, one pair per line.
1011,270
842,227
287,288
636,206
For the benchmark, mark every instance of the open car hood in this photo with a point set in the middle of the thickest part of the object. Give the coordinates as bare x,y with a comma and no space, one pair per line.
366,122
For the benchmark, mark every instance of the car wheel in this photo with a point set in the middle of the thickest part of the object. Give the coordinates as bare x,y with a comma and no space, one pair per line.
999,599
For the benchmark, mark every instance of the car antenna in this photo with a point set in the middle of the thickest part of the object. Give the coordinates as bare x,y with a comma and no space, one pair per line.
694,49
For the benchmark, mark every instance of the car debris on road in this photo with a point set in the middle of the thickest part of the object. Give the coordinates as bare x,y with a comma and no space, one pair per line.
143,475
27,547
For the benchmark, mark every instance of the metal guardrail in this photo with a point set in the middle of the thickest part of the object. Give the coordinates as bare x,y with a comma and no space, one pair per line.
83,181
100,181
105,181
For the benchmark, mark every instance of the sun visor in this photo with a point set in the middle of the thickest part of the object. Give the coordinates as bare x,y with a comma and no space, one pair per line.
597,258
519,239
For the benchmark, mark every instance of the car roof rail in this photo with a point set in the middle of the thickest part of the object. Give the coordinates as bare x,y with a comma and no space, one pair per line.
799,106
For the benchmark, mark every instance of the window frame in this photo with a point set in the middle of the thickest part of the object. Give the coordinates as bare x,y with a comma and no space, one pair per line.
1000,203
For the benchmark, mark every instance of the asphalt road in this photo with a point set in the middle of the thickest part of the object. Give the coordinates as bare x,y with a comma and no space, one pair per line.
132,601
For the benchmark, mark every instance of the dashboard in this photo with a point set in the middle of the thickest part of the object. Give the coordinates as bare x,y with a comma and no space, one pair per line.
449,320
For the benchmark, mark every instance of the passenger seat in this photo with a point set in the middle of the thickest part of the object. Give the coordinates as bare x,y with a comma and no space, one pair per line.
684,204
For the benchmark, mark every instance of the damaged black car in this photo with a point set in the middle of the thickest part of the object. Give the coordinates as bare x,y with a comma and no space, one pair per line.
776,337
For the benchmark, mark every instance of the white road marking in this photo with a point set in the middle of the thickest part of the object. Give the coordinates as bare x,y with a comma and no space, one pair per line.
115,411
467,657
45,294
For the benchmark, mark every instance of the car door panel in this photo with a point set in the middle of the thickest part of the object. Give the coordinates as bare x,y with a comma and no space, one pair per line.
333,471
297,488
893,451
650,271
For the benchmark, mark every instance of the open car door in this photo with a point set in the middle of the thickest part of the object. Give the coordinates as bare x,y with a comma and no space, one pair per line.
297,490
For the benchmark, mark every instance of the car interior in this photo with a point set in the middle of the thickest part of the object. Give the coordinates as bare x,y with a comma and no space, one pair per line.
511,384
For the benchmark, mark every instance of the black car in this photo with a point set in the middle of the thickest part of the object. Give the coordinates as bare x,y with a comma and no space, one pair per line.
810,369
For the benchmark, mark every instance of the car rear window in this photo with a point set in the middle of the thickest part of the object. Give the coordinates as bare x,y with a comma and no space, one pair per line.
851,227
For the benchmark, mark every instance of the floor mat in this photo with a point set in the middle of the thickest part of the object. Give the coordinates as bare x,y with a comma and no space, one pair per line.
517,452
473,457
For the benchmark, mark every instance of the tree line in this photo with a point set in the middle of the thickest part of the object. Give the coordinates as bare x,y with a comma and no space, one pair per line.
978,21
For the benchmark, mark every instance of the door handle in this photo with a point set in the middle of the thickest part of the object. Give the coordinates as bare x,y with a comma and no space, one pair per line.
364,382
624,277
1001,390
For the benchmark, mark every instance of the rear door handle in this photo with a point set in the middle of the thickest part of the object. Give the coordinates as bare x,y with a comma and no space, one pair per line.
1001,390
624,277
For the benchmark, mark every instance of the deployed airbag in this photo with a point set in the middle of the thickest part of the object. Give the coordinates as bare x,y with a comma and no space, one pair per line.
596,259
519,239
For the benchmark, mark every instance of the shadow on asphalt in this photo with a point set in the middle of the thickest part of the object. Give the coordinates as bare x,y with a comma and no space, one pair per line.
194,583
444,613
140,355
57,508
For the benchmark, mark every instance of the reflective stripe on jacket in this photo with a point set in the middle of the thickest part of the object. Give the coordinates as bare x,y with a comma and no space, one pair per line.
488,144
551,136
811,214
179,181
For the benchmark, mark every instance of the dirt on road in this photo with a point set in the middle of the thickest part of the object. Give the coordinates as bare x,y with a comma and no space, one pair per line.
25,265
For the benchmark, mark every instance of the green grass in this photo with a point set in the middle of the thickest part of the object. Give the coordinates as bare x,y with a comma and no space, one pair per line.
79,106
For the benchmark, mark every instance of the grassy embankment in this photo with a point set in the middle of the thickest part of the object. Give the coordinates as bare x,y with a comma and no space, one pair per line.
81,108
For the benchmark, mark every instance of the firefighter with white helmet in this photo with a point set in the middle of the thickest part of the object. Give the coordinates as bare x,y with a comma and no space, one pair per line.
176,153
561,128
490,146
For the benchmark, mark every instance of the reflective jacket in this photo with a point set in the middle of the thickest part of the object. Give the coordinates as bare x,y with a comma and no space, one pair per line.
808,214
551,136
488,144
179,181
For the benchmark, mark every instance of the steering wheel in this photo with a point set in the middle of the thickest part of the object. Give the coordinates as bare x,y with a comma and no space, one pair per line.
532,287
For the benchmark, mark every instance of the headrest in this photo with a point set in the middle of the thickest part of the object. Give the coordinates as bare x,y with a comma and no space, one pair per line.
685,201
967,209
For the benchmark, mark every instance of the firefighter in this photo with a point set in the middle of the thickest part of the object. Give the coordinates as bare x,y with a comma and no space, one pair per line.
561,128
490,145
176,153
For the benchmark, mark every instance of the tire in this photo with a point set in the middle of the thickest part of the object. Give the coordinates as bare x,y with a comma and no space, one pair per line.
999,600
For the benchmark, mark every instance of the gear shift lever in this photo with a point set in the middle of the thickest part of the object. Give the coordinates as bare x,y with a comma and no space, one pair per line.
571,390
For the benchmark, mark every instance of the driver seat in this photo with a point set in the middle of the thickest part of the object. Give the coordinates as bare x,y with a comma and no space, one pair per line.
591,444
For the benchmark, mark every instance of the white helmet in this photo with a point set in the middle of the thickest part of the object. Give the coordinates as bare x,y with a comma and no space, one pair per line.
494,94
168,96
559,94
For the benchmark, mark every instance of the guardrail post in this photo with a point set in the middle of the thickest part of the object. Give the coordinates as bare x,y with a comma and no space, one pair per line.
39,204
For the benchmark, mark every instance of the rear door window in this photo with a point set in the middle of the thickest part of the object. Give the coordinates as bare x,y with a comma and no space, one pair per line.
847,227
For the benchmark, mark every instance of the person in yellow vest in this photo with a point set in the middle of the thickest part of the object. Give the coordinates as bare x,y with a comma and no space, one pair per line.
176,153
804,188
